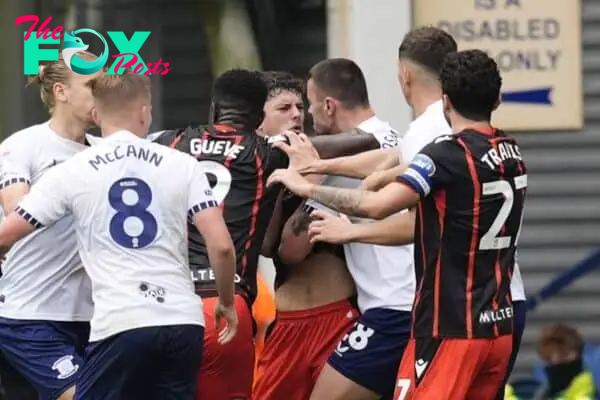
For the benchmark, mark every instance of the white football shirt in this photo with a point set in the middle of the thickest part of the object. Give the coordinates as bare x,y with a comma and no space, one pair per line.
43,277
384,275
130,199
422,131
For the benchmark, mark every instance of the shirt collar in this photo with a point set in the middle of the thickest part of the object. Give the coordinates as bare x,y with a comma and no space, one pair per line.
120,135
432,110
372,124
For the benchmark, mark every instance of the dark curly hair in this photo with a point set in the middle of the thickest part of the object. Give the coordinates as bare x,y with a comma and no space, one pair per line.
427,46
282,81
472,82
242,89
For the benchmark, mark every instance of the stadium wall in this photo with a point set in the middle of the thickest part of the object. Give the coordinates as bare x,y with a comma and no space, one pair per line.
562,220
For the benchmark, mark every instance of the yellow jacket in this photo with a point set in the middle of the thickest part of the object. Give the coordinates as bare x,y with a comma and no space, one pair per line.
581,388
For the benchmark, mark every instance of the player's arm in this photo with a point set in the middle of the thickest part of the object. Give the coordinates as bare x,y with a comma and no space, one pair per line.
295,245
43,205
15,172
272,235
358,154
13,228
395,230
362,203
206,215
416,182
344,144
358,165
379,179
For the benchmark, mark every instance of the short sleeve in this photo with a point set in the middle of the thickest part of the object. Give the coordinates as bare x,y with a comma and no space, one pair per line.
434,167
274,158
166,137
16,163
311,205
200,195
389,139
48,199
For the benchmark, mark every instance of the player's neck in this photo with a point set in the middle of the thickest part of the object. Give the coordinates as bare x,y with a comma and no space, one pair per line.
425,96
68,127
460,124
354,118
111,129
237,119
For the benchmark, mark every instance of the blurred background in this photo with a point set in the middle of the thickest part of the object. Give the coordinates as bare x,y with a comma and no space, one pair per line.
201,38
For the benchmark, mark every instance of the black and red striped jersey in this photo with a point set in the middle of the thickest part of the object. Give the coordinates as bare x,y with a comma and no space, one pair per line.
472,186
237,165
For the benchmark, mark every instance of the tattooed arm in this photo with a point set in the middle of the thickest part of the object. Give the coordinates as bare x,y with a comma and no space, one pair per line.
295,245
361,203
389,200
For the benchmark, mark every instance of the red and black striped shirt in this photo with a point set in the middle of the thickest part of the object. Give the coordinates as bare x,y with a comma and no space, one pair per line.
472,187
237,165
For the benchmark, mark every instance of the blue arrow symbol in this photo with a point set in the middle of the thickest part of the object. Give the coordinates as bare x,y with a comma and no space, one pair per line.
531,96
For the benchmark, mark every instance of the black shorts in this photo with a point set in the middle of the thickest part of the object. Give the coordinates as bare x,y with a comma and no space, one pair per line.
13,386
146,363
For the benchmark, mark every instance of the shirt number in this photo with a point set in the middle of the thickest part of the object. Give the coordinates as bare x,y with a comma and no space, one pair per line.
220,173
490,240
132,226
402,388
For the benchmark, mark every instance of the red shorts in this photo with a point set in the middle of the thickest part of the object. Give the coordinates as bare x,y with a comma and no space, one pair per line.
298,347
453,369
227,370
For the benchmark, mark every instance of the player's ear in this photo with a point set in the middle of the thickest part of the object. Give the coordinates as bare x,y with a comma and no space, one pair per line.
59,91
404,74
95,116
498,102
447,104
329,106
145,117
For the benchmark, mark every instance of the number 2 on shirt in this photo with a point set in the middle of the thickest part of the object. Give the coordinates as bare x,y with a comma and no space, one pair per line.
130,198
490,240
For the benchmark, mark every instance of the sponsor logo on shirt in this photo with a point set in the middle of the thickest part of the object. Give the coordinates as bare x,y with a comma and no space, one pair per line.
493,316
153,292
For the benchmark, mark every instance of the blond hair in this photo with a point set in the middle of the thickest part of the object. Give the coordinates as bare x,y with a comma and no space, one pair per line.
117,92
51,73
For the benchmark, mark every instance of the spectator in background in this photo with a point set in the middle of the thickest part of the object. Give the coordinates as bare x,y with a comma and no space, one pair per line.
561,348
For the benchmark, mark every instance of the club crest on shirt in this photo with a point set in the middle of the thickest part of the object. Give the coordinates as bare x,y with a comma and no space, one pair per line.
424,163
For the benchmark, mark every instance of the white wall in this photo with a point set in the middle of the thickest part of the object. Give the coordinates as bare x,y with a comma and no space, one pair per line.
369,32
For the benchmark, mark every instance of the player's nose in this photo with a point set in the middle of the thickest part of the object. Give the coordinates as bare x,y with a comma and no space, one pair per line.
296,112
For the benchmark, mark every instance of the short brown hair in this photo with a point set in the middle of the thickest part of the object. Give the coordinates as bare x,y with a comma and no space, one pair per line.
115,92
53,72
341,79
558,338
427,46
